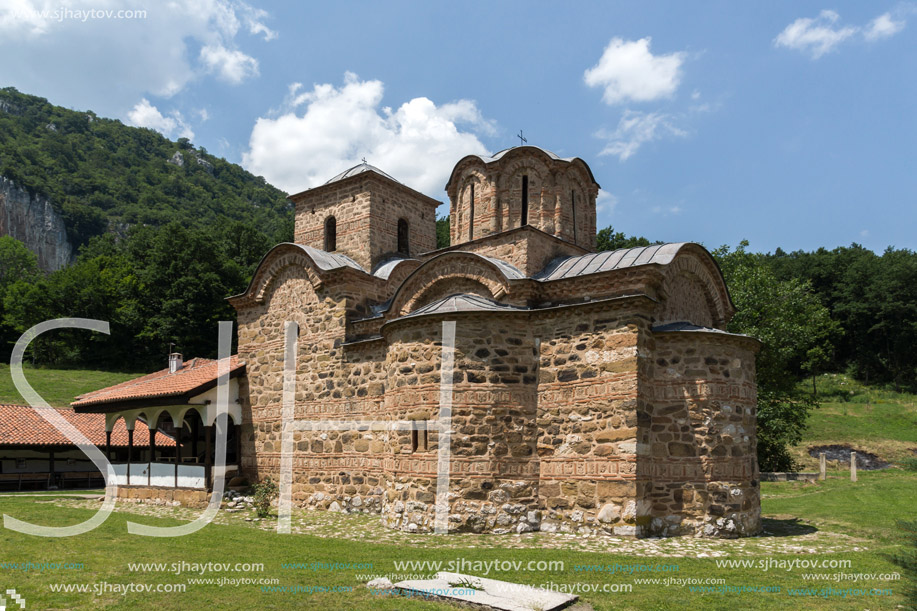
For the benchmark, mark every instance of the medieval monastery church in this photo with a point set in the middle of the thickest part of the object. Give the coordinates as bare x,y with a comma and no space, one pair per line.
591,392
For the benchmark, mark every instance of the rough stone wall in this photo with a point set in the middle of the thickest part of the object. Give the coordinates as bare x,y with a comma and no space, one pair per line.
494,473
390,203
366,209
702,476
686,302
153,495
349,203
33,221
561,198
526,248
587,419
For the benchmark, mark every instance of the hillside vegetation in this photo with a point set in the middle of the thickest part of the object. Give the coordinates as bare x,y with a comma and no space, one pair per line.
103,176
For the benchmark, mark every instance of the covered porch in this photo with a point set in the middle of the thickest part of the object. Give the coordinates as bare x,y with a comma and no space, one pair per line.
187,464
181,403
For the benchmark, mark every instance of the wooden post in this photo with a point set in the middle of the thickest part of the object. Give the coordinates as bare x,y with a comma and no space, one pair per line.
177,451
822,467
208,456
108,445
130,448
194,433
50,469
239,447
149,473
853,466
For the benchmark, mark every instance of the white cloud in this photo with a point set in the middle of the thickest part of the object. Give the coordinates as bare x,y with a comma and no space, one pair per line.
667,210
107,64
605,203
636,129
883,26
630,72
231,66
321,132
814,36
820,35
145,114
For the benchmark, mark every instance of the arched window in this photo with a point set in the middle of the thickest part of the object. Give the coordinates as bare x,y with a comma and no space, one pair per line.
331,234
403,246
471,214
525,200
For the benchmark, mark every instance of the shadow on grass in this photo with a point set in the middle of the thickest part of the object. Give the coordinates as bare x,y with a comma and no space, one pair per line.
785,527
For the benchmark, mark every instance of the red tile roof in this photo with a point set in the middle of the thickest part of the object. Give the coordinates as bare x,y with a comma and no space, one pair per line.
21,425
194,375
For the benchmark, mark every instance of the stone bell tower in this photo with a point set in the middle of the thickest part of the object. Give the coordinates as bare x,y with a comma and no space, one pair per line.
367,215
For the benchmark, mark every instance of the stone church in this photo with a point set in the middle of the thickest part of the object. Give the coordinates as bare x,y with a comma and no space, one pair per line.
592,392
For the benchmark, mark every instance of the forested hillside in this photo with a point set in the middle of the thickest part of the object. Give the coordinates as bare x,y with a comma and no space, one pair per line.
164,233
102,176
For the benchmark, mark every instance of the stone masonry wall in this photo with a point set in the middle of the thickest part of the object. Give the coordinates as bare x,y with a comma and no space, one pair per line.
391,203
702,478
527,249
587,420
494,472
349,203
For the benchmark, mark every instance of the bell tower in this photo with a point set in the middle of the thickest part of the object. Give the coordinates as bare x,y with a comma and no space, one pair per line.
367,215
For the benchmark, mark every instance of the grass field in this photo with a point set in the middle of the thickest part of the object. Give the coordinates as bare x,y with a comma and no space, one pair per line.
58,386
850,526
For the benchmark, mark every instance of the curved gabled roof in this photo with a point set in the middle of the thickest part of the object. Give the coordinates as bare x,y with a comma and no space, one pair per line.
501,154
385,269
509,270
593,263
359,169
464,302
327,260
324,261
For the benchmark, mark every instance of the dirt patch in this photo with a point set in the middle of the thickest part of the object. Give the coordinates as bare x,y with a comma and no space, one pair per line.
866,461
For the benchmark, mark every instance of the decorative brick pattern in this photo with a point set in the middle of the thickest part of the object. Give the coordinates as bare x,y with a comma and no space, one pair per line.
570,413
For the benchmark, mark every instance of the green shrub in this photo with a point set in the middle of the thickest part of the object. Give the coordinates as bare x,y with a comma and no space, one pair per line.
265,493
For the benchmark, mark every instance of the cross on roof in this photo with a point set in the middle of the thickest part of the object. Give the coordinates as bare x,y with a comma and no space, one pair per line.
522,139
364,160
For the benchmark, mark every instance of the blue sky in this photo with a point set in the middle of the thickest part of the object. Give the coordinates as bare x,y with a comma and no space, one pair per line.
787,124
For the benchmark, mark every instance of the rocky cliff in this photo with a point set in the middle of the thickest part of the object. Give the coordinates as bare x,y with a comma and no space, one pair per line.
33,221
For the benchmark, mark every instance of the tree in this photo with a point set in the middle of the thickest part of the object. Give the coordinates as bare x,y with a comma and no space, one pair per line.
795,329
608,239
18,264
442,232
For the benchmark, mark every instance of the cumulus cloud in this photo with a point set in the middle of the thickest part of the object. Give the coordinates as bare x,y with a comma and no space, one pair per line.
320,132
97,60
820,35
145,114
636,129
231,66
628,71
883,26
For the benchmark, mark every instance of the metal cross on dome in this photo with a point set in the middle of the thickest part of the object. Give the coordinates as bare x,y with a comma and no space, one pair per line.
522,139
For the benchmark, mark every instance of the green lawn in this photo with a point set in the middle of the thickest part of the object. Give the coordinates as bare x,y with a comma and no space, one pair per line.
106,552
58,386
835,520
